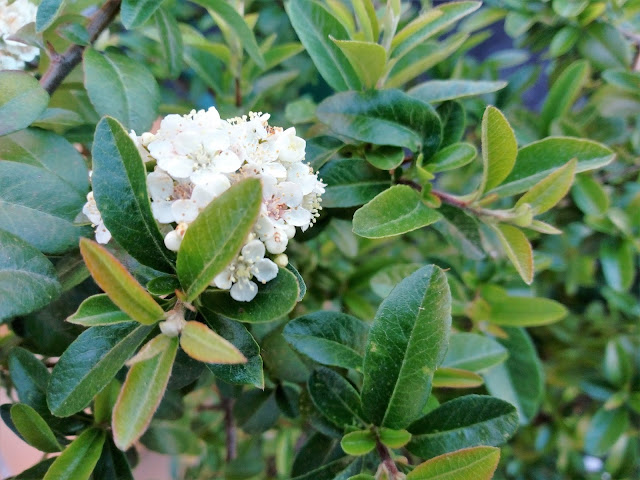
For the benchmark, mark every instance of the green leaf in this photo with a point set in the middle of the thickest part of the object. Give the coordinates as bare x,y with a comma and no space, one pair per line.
385,280
367,59
461,230
564,92
215,237
617,259
203,344
538,159
564,40
383,117
605,47
225,12
470,351
121,87
499,148
170,40
433,91
245,373
351,182
478,463
281,361
275,299
36,472
135,13
589,195
407,342
329,338
517,248
103,351
113,464
171,439
98,310
525,311
447,377
394,438
314,23
22,100
452,157
623,79
464,422
33,428
545,194
104,401
454,122
335,398
385,157
397,210
505,381
119,284
48,10
365,12
79,458
28,280
30,378
320,150
141,395
605,429
359,442
256,411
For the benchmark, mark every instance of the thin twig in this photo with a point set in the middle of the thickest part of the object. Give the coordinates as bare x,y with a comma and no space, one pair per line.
62,65
387,461
230,429
238,92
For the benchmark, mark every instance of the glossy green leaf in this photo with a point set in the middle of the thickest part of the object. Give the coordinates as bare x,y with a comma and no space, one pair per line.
170,40
525,311
474,352
141,395
28,280
463,422
119,284
135,13
359,442
351,182
120,189
113,464
22,100
452,157
564,92
33,428
605,428
478,463
205,345
104,351
329,338
517,248
79,458
335,398
545,194
385,157
216,236
407,342
314,23
589,195
98,310
617,259
505,381
440,90
499,148
121,87
383,117
397,210
274,299
48,10
367,59
394,438
538,159
447,377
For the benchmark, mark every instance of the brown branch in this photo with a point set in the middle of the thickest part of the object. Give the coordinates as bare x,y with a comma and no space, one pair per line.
230,429
62,65
238,92
388,462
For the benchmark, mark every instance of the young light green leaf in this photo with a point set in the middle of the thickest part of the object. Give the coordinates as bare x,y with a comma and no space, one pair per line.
329,338
447,377
474,352
564,40
28,280
589,195
215,237
517,248
545,194
440,90
463,422
104,351
205,345
335,398
383,117
48,10
564,92
394,438
358,443
367,59
314,23
365,12
152,348
33,428
525,311
478,463
351,182
407,342
141,395
170,40
119,284
98,310
78,460
538,159
397,210
22,100
452,157
104,401
499,148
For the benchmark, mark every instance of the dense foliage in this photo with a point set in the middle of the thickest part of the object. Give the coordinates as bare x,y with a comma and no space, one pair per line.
432,275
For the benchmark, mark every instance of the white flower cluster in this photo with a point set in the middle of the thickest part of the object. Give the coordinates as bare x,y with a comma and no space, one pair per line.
13,17
198,156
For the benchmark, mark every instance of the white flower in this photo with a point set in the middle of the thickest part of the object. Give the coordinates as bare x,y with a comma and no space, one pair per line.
90,209
249,264
173,239
13,17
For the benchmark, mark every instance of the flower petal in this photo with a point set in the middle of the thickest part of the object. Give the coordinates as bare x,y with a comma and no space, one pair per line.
244,290
264,270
